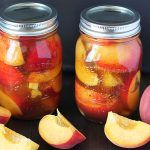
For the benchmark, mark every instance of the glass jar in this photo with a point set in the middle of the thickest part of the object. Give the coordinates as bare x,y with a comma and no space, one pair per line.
30,60
108,60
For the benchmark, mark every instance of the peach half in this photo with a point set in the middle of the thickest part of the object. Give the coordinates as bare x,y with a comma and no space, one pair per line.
38,77
5,115
14,141
59,132
125,132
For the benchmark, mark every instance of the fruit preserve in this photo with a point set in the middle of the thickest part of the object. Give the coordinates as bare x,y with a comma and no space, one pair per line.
108,59
30,60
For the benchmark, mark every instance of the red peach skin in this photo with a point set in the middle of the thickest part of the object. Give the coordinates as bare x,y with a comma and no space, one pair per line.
75,139
145,106
5,115
58,132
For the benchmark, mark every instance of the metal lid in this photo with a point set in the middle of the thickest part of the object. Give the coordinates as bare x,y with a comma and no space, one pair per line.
28,19
110,22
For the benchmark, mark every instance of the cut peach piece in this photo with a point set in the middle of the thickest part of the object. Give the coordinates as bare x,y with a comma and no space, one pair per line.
13,105
10,140
35,93
125,132
33,86
44,76
50,128
4,45
134,91
83,73
14,55
111,81
5,115
118,56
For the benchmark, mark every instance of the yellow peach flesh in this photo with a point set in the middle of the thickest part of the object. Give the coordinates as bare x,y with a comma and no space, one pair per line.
45,76
14,141
84,74
54,131
4,112
125,132
14,55
111,81
134,91
8,103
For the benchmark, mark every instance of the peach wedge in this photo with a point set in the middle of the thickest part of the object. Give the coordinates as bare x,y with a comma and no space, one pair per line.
125,132
5,115
83,73
58,132
10,140
13,105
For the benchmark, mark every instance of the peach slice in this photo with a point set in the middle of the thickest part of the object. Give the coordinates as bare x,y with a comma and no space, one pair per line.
14,55
44,76
134,91
59,132
83,73
10,104
35,93
125,132
4,45
15,141
117,56
110,80
5,115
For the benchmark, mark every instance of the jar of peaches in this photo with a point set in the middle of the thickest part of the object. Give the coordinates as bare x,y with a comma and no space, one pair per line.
30,60
108,60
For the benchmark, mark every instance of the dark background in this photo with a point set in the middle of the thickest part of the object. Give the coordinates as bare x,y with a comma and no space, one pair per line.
69,15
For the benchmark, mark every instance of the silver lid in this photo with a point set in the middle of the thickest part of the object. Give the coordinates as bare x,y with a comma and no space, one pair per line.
28,19
110,22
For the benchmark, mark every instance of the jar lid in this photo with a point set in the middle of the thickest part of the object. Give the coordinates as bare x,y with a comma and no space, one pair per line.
110,22
28,19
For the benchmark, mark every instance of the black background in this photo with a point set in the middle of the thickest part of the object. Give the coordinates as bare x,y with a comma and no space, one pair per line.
69,15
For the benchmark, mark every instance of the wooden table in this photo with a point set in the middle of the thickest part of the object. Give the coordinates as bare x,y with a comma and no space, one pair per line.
96,139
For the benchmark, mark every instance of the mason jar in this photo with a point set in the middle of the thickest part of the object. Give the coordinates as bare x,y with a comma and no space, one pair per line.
108,60
30,60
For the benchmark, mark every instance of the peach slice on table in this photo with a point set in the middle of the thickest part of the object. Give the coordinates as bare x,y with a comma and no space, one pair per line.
59,132
44,76
85,75
14,105
10,140
134,91
5,115
125,132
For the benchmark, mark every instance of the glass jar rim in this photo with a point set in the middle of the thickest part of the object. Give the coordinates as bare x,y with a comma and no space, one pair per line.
42,21
110,22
